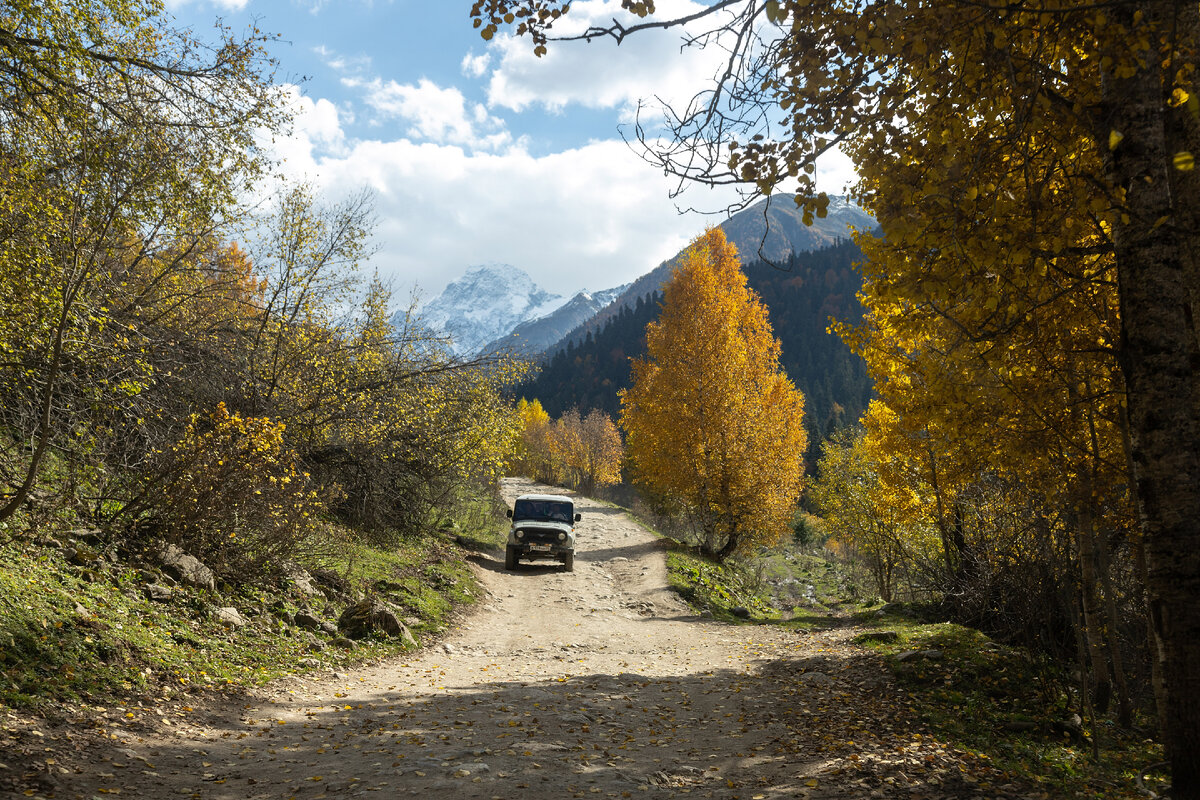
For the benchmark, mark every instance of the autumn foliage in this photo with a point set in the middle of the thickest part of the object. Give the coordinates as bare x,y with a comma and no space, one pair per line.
231,488
713,425
582,452
176,364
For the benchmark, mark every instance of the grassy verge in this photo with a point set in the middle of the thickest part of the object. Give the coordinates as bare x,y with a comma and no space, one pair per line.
723,590
73,636
805,583
970,692
978,695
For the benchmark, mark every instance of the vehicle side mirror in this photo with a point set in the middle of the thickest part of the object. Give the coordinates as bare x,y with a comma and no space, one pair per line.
508,513
578,517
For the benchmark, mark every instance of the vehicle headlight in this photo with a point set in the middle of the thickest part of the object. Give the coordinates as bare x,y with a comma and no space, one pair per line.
520,534
562,537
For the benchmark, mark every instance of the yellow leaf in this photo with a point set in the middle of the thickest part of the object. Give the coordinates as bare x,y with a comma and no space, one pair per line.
1184,161
1114,139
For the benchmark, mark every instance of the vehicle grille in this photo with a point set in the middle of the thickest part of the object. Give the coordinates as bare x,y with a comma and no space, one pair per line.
540,537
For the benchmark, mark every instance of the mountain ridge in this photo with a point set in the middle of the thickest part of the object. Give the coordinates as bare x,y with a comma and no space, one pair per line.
771,231
487,302
534,336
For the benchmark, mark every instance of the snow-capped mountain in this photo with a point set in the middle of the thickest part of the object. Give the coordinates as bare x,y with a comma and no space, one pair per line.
534,336
485,304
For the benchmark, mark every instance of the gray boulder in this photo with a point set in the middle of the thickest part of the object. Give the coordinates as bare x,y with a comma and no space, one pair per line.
81,555
159,593
308,621
229,617
332,582
301,580
185,568
371,616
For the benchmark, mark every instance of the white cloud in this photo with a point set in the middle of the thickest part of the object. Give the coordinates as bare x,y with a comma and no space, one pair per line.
474,66
341,63
316,127
600,74
435,114
835,172
224,5
590,217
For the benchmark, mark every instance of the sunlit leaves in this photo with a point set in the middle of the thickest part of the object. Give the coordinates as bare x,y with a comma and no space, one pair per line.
711,420
230,490
124,142
881,523
582,452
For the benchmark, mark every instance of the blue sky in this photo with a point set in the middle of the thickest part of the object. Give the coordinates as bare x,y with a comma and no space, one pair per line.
476,151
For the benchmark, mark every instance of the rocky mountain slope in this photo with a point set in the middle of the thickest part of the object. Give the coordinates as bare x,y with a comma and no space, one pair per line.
538,335
498,308
485,304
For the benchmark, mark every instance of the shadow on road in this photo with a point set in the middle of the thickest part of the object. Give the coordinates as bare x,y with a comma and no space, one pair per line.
728,733
495,563
632,552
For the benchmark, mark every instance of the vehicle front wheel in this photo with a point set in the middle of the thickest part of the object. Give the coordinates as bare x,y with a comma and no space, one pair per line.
569,562
510,558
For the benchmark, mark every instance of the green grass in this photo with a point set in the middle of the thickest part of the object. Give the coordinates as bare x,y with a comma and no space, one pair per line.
1002,702
975,695
805,582
70,635
718,588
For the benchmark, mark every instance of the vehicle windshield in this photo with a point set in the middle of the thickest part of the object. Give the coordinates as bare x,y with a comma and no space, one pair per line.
547,510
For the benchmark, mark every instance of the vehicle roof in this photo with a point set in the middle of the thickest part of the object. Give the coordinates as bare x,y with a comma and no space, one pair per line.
558,498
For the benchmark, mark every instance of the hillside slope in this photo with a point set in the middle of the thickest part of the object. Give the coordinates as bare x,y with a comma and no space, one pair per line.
771,230
801,295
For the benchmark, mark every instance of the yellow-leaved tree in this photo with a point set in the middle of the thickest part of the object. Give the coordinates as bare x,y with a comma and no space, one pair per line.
713,425
532,453
586,450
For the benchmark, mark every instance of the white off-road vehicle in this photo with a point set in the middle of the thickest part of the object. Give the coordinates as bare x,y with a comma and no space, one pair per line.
543,526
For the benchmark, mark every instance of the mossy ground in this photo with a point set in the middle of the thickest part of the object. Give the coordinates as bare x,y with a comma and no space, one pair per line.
717,588
976,695
1011,705
73,636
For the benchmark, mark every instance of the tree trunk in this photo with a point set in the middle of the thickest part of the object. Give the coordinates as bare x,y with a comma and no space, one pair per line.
1085,537
1100,548
1160,359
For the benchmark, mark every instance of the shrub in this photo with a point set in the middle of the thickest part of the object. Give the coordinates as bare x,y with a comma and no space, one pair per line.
230,493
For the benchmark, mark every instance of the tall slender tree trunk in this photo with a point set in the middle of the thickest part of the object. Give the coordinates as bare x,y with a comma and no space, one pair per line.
1093,626
1086,550
1100,549
1160,359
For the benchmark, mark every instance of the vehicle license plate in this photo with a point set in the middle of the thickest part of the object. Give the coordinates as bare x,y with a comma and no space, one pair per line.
542,548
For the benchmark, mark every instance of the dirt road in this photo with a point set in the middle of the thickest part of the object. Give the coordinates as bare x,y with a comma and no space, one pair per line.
599,682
